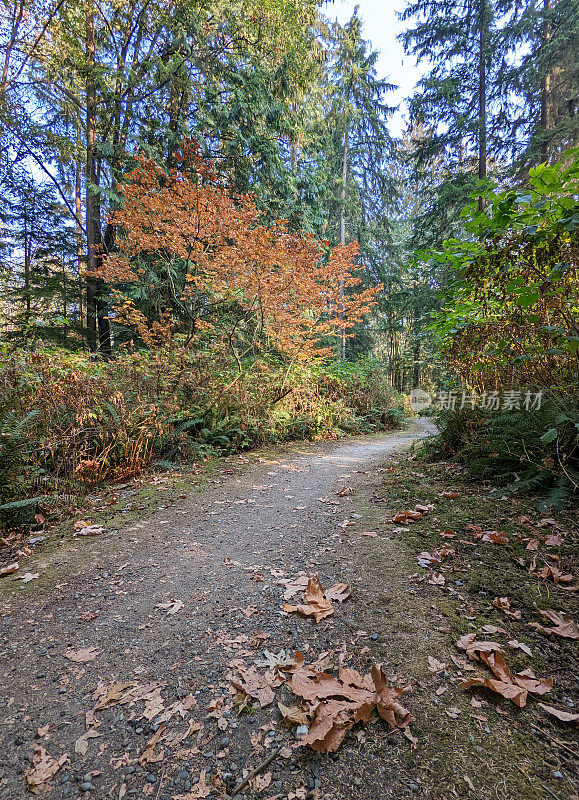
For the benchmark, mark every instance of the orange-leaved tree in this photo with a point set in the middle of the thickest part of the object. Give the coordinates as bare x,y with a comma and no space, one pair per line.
217,272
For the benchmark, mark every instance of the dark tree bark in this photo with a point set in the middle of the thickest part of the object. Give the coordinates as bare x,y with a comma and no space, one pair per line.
482,98
96,312
345,155
545,83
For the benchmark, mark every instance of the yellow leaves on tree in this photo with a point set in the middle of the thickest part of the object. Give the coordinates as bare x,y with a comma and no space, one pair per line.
288,289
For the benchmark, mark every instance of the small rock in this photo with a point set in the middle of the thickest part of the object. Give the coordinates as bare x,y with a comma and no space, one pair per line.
183,775
150,778
557,774
86,786
301,730
374,636
414,787
225,741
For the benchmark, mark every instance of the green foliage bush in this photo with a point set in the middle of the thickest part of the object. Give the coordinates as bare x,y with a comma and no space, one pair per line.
518,451
70,422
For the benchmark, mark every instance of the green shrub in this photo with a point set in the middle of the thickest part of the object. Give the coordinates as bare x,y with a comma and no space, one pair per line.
520,451
70,422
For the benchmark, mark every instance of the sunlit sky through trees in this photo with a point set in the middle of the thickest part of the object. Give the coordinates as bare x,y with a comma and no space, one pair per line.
381,27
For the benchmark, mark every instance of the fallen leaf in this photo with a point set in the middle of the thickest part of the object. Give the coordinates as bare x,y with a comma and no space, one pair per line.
344,491
372,534
551,571
248,612
474,647
504,604
520,646
338,592
406,516
81,744
108,695
434,665
294,715
553,540
90,530
491,629
273,660
170,606
149,756
293,585
261,782
437,579
562,716
44,767
565,625
27,577
450,495
338,703
513,687
317,604
532,544
494,537
426,559
248,681
9,569
83,655
462,664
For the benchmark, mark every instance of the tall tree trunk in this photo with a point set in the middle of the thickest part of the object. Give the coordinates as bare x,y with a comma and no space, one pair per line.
27,260
92,227
345,155
545,83
81,265
96,314
416,364
482,97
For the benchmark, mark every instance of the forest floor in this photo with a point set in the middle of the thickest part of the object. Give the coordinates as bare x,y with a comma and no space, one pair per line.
117,661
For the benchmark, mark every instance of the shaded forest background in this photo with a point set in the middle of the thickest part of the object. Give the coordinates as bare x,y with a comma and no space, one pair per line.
210,238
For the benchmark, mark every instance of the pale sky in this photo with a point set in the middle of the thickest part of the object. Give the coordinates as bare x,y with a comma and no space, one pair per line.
381,26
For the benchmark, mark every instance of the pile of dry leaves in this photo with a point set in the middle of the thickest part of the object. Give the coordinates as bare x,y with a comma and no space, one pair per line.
316,602
329,705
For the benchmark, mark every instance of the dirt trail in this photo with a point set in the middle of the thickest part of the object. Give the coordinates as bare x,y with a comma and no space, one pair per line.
220,551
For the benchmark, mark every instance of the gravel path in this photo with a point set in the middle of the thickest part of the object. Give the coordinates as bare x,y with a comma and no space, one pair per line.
219,552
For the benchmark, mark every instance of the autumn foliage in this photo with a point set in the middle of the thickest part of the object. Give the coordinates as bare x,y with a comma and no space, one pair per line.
228,275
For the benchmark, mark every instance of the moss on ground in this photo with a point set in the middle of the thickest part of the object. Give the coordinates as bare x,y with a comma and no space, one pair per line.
470,743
